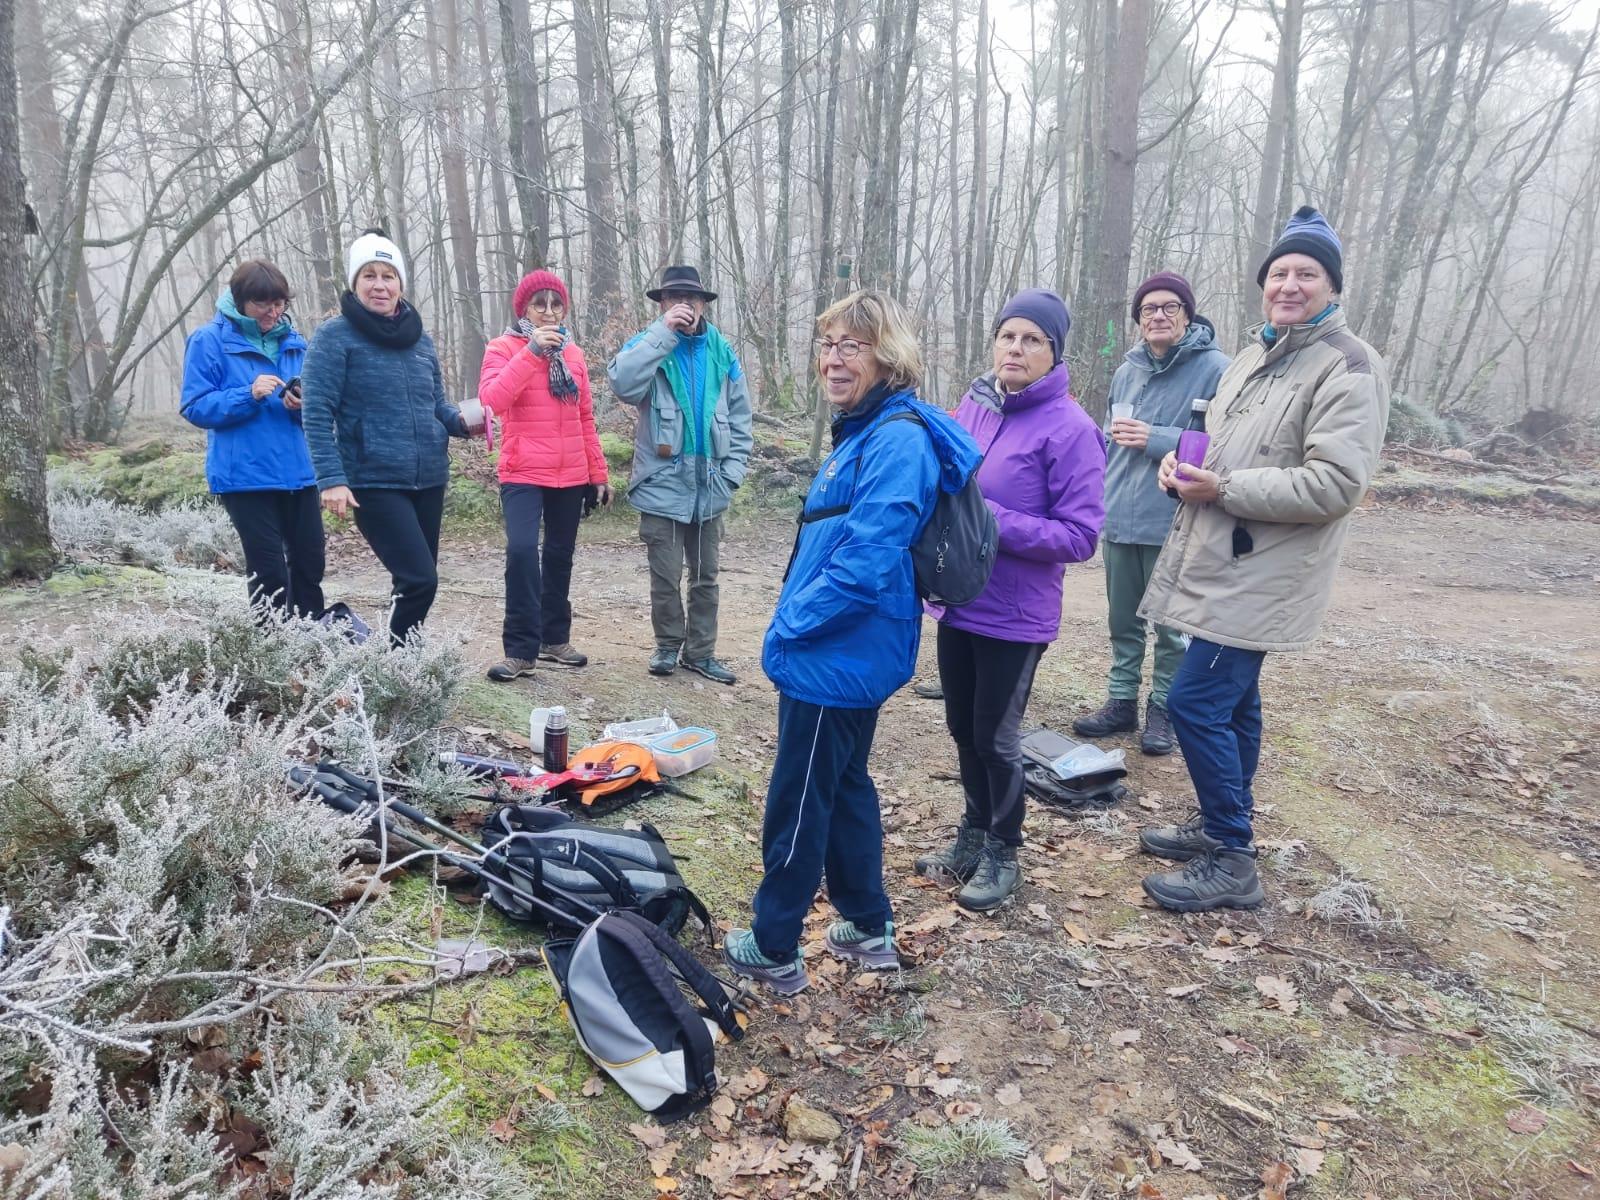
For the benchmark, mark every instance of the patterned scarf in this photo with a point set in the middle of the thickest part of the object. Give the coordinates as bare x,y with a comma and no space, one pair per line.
562,386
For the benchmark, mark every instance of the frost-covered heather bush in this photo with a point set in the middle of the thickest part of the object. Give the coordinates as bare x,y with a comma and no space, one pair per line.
176,926
87,525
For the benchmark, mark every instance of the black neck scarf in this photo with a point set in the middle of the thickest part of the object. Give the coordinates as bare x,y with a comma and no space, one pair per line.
398,332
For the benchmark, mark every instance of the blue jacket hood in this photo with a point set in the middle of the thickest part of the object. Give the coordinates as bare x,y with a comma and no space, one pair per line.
953,447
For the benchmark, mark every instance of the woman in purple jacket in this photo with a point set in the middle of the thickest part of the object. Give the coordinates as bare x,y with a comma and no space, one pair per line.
1043,475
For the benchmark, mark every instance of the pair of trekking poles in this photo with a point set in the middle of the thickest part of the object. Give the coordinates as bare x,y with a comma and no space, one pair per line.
347,792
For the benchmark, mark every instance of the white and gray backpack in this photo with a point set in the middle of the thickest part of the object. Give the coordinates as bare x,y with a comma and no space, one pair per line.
623,982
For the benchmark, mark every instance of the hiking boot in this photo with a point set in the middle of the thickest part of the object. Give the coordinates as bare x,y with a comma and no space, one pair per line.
929,691
1220,877
995,879
563,656
1157,737
1115,716
711,669
874,951
956,862
744,957
1180,843
508,669
664,661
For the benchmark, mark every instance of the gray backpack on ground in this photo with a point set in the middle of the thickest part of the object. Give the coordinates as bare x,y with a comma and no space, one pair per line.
645,1010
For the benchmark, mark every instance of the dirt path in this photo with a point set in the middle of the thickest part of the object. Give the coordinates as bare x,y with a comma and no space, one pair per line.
1414,1013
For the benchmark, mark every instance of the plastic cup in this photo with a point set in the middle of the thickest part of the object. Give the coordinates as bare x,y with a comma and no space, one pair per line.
1122,412
472,414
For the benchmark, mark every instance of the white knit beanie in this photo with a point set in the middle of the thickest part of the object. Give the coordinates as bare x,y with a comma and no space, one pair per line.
373,247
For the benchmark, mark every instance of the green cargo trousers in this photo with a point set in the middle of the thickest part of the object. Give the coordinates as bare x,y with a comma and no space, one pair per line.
668,545
1128,569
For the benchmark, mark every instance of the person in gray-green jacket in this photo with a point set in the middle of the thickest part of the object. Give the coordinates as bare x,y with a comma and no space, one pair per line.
1175,362
691,444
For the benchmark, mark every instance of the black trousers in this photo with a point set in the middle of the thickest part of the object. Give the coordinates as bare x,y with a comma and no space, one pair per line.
402,527
539,582
986,683
281,531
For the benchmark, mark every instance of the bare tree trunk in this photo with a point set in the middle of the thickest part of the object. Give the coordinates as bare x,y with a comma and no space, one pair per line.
1349,121
505,238
825,264
781,238
294,67
526,130
958,268
702,129
444,62
599,180
1277,149
25,547
1113,242
670,189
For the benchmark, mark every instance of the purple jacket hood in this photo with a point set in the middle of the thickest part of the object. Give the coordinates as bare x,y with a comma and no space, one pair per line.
1043,475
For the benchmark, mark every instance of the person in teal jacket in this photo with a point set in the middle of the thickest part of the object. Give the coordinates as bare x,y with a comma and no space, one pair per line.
844,638
691,443
241,384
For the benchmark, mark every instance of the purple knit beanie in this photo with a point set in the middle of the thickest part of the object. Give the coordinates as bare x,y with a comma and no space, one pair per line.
1165,281
1046,310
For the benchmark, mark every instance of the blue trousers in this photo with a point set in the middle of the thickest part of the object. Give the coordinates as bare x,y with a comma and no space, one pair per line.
1215,706
822,815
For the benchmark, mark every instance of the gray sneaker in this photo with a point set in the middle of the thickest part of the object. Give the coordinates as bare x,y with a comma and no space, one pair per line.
995,880
664,661
563,655
1180,843
744,957
956,862
874,951
1222,877
508,669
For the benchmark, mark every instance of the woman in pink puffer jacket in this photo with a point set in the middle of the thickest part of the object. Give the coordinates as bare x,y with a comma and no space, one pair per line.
536,381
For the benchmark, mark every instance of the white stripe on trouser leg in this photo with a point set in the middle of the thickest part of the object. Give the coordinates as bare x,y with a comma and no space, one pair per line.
804,788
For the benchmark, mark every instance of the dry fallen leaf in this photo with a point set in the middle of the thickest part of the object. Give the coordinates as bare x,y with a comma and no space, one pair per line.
661,1160
1009,1094
1275,1181
1307,1162
1124,1037
503,1129
651,1137
1278,993
947,1056
1057,1154
548,1093
593,1085
1076,932
945,1088
1034,1166
1179,1155
1526,1119
665,1184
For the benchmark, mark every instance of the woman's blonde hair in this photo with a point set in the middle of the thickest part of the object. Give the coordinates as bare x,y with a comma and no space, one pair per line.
878,318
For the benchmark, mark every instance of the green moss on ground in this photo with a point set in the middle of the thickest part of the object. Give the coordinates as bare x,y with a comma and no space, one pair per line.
151,475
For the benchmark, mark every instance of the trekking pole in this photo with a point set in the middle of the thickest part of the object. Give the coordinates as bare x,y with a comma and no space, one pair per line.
334,787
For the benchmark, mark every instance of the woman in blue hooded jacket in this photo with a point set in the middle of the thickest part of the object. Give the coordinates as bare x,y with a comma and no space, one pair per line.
844,638
241,384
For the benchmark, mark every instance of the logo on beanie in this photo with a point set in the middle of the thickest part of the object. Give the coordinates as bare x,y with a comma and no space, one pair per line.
383,254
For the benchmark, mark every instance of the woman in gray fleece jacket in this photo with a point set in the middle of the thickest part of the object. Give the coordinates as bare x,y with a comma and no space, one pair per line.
377,424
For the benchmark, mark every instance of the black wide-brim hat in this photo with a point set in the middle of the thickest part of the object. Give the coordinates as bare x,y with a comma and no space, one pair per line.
680,279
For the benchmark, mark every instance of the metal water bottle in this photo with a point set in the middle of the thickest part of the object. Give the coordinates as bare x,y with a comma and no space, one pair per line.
555,740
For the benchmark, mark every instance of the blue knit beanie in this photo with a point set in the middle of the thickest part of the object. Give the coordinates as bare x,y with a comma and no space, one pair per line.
1046,310
1308,232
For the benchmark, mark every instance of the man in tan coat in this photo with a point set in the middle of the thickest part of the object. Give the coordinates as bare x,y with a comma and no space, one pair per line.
1295,432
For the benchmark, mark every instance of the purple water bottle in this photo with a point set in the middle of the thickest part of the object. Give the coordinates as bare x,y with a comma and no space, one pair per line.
1194,440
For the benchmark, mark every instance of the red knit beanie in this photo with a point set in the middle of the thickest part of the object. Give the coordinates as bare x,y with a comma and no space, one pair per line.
538,281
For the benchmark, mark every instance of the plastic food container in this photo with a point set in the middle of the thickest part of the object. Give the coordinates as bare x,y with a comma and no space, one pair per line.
639,731
536,720
683,750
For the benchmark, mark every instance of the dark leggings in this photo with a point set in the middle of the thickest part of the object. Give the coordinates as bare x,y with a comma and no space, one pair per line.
281,532
539,581
402,527
986,683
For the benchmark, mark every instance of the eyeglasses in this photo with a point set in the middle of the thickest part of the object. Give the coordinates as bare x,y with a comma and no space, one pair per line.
848,348
268,304
1031,343
669,297
551,304
1170,309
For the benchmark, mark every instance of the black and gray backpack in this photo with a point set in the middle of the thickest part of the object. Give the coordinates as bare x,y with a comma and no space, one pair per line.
1077,790
578,867
645,1010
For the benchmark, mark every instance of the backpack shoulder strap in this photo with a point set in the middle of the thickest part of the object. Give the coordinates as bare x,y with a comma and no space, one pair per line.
688,968
838,510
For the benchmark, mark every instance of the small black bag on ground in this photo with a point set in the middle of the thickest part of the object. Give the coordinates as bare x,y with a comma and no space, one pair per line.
622,984
1094,790
577,867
